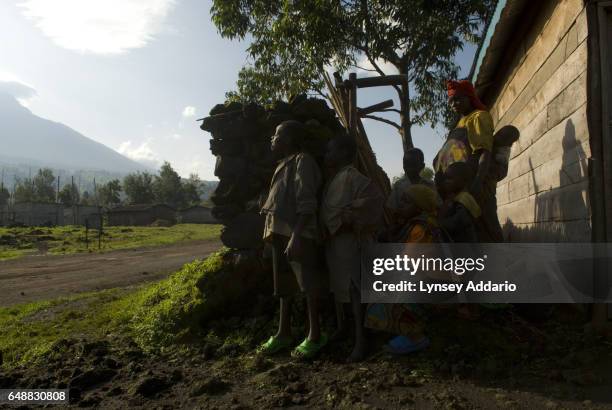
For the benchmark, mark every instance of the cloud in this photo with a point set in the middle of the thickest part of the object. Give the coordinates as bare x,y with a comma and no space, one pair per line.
142,153
98,26
189,111
196,165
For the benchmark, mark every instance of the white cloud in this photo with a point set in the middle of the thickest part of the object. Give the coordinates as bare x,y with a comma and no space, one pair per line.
189,111
142,153
197,165
98,26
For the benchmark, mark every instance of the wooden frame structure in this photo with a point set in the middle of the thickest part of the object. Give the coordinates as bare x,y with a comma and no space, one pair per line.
343,96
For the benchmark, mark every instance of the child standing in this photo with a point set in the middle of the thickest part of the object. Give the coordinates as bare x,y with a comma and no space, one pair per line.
407,321
351,213
291,226
413,163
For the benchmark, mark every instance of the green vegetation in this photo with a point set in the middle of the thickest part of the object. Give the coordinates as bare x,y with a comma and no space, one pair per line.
17,242
292,43
166,188
155,316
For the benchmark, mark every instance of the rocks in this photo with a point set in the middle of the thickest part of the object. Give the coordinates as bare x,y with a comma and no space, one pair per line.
91,378
211,386
97,349
241,137
244,231
115,391
581,377
150,386
111,363
279,374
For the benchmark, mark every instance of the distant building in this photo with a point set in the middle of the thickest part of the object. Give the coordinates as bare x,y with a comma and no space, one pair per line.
196,214
36,214
80,214
140,215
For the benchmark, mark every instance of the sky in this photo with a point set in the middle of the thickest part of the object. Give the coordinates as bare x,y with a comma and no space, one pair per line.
136,74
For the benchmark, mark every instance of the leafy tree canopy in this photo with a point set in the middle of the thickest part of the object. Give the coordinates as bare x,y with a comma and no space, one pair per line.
69,195
40,188
293,42
110,193
4,196
139,188
192,190
167,187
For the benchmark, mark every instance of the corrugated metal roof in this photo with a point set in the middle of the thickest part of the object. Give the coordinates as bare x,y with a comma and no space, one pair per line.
500,30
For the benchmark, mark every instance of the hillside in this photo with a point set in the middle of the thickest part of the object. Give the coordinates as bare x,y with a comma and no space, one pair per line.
29,139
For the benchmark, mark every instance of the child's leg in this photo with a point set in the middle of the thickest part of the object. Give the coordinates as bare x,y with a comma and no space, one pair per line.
360,349
341,329
313,318
284,323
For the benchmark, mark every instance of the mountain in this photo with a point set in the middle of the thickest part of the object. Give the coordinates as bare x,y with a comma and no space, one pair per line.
28,139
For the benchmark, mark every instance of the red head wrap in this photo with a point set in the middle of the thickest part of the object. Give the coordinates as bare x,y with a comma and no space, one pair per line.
464,87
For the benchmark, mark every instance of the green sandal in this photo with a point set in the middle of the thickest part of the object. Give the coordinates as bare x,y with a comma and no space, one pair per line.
274,345
308,349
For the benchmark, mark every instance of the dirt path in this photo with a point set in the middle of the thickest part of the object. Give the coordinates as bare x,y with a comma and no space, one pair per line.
44,277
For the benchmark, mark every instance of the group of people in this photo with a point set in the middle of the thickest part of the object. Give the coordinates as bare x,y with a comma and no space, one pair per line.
337,209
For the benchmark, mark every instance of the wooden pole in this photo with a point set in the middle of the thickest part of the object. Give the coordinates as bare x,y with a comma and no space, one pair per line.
366,160
365,82
374,108
353,103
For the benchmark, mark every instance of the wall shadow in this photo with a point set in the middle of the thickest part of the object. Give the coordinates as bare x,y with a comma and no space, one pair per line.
560,214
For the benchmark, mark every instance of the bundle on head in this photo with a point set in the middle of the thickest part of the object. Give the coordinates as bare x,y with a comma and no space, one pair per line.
241,135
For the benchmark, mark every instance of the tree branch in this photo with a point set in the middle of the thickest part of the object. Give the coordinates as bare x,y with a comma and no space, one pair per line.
386,121
392,110
364,69
373,62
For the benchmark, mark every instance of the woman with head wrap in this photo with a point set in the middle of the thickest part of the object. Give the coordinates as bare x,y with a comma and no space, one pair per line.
472,141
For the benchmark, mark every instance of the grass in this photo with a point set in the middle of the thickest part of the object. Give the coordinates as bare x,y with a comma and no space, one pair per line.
155,316
63,240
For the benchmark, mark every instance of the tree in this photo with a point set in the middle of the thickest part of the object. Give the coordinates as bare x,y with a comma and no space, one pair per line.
44,185
24,190
4,196
41,188
427,174
294,42
139,188
69,195
110,193
87,199
192,190
168,188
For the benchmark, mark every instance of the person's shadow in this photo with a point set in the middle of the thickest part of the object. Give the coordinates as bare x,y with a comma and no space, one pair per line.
561,212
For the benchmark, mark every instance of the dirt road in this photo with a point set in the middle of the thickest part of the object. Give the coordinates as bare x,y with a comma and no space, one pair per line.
45,277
